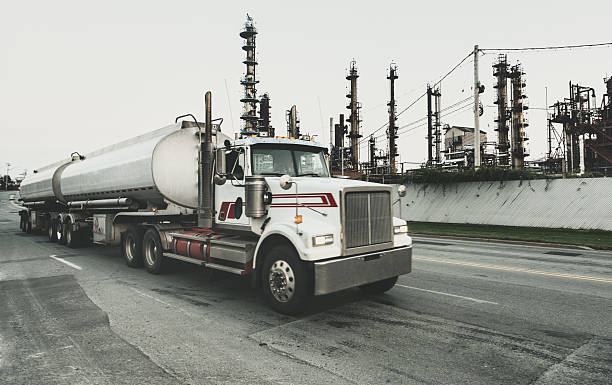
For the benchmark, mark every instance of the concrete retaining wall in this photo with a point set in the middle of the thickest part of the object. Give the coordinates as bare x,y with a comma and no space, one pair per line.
556,203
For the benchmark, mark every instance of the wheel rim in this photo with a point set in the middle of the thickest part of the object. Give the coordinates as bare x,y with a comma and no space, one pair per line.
58,232
50,231
282,281
130,248
151,252
68,235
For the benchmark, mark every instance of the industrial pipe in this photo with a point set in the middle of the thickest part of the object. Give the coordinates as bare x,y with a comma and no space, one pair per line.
98,203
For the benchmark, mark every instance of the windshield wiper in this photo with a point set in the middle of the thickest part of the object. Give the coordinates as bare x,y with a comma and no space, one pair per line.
272,173
309,174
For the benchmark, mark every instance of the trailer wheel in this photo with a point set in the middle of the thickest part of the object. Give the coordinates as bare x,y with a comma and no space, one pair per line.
72,239
379,287
153,252
131,246
60,232
22,223
28,224
285,281
52,230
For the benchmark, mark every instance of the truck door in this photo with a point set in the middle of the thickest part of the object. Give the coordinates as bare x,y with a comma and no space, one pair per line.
229,197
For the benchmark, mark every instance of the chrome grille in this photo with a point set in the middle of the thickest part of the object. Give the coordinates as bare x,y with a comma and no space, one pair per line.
367,218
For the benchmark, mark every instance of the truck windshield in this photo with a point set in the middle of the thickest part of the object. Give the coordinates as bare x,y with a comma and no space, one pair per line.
277,160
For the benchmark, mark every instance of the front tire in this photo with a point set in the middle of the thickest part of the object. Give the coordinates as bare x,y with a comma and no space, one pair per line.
154,259
286,282
379,287
131,247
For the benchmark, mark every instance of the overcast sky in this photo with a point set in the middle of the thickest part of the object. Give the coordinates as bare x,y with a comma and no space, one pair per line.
78,75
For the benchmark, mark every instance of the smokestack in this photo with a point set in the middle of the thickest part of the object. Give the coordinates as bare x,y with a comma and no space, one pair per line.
205,211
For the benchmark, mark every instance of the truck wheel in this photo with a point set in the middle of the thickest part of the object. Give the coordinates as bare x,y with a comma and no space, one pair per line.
52,230
72,238
131,247
285,281
22,223
28,224
379,287
152,252
60,232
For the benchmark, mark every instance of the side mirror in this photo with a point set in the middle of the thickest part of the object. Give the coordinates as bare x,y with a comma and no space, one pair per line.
221,162
401,191
285,182
220,180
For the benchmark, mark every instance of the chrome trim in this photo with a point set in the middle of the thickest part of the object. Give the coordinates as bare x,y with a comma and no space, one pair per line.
342,204
342,273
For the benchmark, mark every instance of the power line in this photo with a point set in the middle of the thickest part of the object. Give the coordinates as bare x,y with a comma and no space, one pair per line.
441,115
420,97
548,47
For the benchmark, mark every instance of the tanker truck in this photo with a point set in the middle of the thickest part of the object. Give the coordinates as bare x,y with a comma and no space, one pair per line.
264,207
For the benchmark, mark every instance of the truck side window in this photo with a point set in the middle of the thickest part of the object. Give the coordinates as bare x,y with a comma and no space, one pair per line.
236,164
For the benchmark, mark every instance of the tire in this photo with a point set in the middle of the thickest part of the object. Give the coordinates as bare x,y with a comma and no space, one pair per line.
286,281
60,231
72,238
153,257
379,287
22,223
131,247
28,225
52,230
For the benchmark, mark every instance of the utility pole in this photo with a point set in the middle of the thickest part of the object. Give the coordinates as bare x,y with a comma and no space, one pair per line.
476,110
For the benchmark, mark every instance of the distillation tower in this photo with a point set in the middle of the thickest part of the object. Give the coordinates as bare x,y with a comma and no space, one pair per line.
519,122
354,120
392,130
249,113
502,73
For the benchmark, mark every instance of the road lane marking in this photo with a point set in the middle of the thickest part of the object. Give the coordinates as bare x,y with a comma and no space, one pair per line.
66,262
515,269
448,294
160,301
151,297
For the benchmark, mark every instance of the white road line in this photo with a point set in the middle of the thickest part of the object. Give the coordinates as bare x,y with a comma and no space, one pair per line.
151,297
66,262
162,302
449,294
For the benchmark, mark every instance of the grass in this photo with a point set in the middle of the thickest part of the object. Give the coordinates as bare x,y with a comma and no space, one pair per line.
592,238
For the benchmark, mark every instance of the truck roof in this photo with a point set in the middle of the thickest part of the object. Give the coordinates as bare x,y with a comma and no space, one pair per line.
251,140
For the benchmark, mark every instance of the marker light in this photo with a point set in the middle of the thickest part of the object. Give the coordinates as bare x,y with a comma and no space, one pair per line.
322,240
297,219
402,229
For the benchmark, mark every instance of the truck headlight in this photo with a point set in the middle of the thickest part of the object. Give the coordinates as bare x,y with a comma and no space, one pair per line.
322,240
401,229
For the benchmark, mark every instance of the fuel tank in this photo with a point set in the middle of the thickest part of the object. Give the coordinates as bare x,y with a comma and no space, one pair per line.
161,164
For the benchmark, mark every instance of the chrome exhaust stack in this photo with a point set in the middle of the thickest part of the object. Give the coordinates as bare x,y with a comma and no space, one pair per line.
205,209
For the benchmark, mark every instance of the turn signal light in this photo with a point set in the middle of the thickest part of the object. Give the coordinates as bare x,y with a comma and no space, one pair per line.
297,219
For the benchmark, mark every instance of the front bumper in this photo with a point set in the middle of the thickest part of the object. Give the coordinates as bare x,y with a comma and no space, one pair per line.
340,274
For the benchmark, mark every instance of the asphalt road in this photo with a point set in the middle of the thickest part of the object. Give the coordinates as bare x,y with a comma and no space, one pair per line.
469,313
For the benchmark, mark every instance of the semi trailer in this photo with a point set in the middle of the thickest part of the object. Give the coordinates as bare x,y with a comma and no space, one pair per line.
264,207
